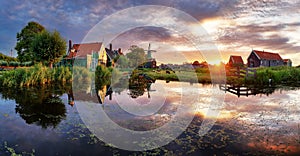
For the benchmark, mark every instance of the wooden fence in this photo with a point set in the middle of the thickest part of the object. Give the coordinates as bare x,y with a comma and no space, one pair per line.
240,72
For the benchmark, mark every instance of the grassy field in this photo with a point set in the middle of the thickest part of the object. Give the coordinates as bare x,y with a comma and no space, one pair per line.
187,75
277,76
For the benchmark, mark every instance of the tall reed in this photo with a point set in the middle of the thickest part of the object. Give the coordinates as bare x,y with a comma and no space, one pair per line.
36,75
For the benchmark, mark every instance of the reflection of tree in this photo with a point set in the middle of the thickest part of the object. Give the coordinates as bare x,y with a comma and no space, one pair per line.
138,84
41,106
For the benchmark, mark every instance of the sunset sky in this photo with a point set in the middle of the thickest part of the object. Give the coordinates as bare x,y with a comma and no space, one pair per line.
235,26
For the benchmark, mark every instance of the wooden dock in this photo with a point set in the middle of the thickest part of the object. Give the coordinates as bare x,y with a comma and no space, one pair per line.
246,91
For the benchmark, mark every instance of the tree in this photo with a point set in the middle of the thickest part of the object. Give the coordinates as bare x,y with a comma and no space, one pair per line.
48,47
122,61
136,56
24,40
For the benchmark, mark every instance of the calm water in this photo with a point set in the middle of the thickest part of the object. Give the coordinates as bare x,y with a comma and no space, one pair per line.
43,121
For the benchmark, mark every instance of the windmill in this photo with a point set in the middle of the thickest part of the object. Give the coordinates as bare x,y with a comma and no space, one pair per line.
149,52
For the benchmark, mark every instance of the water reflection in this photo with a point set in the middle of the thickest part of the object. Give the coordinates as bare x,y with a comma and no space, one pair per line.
137,85
253,90
247,90
266,124
39,105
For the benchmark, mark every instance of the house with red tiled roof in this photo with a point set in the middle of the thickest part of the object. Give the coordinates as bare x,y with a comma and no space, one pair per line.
88,55
265,59
235,61
287,62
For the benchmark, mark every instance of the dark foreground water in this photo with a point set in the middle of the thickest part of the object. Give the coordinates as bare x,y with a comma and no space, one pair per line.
44,121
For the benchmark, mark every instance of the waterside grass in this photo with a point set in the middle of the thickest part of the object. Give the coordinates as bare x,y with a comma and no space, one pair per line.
275,76
281,75
36,75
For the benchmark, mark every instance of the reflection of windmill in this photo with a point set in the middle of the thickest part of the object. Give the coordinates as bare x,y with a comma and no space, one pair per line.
149,89
149,52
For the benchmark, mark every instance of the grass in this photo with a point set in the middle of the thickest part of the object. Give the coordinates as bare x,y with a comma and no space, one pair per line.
277,75
281,75
36,75
201,76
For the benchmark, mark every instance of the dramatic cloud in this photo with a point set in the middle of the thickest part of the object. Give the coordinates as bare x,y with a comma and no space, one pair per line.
236,26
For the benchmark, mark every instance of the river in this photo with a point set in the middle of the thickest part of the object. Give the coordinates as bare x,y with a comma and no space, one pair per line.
46,120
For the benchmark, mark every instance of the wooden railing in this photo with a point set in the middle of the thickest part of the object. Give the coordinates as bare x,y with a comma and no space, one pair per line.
240,72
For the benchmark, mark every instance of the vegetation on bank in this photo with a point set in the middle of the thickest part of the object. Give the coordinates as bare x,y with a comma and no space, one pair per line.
199,75
264,76
36,75
7,58
275,76
106,76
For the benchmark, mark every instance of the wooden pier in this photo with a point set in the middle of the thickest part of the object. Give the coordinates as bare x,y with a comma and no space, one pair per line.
246,91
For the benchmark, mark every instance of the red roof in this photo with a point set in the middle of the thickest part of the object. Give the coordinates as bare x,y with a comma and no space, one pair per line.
286,60
236,59
267,55
82,50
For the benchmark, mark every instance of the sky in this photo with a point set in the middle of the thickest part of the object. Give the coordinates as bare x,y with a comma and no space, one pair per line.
234,26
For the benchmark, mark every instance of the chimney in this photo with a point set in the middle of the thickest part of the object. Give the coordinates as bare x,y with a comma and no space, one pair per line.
70,45
110,47
120,51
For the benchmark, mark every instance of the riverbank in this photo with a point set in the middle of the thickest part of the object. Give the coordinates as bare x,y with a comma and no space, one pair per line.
275,76
264,76
41,75
187,75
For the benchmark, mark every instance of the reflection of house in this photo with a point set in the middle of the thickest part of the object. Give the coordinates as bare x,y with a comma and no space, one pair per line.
102,93
112,55
266,59
287,62
88,55
235,61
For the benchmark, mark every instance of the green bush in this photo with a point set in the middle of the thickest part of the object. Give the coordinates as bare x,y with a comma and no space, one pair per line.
14,64
3,63
102,76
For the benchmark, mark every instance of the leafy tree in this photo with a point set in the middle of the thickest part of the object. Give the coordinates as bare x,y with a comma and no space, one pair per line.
122,61
136,56
48,47
24,40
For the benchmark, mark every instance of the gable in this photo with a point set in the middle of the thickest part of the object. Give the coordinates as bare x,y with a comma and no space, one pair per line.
236,60
82,50
267,55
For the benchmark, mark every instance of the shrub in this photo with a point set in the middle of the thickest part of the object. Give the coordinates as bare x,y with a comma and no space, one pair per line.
102,76
3,63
